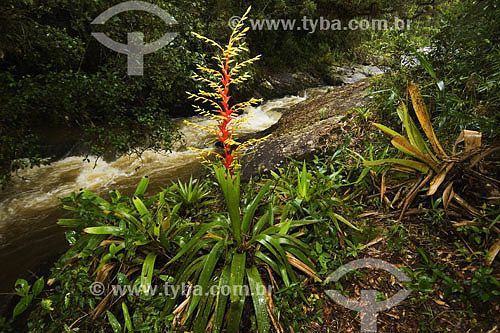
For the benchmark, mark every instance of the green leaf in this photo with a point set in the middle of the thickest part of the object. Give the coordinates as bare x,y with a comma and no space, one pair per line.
71,222
293,241
406,147
141,208
121,213
204,313
203,229
258,290
46,304
126,316
363,174
221,301
38,286
103,230
237,299
304,183
185,272
206,275
115,325
147,272
336,216
84,242
252,207
260,223
22,287
95,198
285,227
230,186
282,256
22,305
281,264
407,163
268,261
141,188
386,130
293,224
428,67
412,131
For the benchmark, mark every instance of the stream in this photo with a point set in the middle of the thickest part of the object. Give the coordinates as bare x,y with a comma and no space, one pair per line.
29,235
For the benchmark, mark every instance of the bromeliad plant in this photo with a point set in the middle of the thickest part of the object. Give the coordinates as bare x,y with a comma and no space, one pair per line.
233,246
438,169
191,194
116,241
139,241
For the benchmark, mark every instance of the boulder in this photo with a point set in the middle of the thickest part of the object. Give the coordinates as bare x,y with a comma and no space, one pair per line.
303,131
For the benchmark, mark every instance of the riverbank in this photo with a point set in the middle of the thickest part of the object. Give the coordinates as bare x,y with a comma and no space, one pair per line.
30,208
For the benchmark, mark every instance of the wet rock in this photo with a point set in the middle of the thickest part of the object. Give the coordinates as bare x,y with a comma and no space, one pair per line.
355,77
347,75
286,83
302,132
371,70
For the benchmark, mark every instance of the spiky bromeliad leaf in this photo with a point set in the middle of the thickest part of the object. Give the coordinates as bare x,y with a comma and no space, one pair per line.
206,275
144,213
71,222
424,119
141,188
230,186
407,163
252,207
103,230
406,147
193,241
205,310
386,130
412,131
126,316
237,297
221,301
258,290
115,324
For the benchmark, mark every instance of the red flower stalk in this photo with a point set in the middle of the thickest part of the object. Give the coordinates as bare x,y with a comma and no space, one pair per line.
225,135
229,72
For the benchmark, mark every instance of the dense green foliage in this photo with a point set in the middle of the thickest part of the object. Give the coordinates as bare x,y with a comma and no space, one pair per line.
111,241
468,59
463,54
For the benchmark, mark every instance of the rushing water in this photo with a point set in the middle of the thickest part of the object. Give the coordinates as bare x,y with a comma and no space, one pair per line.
29,209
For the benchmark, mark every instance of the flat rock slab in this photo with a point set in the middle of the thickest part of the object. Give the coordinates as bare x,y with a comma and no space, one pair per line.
308,128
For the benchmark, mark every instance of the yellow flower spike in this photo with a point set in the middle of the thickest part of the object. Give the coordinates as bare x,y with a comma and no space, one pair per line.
229,70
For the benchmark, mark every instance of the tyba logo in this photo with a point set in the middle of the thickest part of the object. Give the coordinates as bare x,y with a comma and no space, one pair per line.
367,306
135,49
